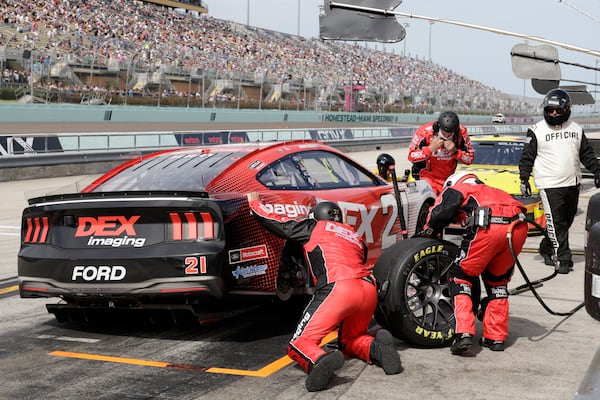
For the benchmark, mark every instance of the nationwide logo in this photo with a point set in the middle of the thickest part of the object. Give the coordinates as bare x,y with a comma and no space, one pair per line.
248,254
251,270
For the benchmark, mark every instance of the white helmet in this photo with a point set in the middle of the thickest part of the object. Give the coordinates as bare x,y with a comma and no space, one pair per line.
461,177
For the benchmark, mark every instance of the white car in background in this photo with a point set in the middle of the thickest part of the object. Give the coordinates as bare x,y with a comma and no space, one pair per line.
499,119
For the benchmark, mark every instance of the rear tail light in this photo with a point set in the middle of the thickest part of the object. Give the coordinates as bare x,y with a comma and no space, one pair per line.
37,230
191,226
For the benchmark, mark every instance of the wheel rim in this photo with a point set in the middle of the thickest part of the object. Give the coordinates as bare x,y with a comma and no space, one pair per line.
427,294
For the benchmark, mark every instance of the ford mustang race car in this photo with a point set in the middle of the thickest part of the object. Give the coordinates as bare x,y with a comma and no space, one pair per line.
497,164
172,230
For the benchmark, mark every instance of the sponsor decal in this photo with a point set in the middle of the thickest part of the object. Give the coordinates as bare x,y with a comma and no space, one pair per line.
438,335
106,226
248,254
331,134
256,165
301,325
251,270
107,230
10,145
289,210
343,233
99,273
116,242
427,251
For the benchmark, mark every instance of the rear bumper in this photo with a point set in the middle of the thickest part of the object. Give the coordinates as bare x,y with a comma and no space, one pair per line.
31,287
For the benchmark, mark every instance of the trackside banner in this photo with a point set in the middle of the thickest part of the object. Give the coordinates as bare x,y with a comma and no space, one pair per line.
10,145
198,138
331,134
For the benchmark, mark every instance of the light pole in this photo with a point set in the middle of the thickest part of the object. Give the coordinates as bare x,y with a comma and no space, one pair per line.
406,25
596,87
298,17
430,25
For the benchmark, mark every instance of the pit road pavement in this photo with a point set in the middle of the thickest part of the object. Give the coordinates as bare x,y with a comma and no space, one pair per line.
547,356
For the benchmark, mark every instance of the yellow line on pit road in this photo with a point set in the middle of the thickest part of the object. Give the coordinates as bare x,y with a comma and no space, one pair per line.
261,373
9,289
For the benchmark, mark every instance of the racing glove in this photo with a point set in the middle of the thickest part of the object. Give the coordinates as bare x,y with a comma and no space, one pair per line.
597,180
525,188
427,233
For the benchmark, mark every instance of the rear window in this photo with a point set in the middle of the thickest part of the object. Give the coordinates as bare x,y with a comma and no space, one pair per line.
497,153
172,171
314,170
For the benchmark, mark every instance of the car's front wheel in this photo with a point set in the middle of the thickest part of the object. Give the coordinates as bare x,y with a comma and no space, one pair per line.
414,299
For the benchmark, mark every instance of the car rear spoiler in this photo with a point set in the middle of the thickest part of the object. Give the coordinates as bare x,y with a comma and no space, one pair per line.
123,194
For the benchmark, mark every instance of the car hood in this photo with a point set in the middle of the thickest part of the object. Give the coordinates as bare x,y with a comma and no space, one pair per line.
504,177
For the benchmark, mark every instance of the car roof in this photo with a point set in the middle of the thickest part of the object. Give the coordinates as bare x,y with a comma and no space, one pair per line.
498,138
207,163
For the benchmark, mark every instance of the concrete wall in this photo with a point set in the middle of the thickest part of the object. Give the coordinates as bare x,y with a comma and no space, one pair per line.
14,112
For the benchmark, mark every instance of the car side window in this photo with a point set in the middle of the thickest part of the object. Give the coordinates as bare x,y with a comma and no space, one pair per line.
313,170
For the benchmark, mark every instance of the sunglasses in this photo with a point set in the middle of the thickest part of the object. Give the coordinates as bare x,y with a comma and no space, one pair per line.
554,110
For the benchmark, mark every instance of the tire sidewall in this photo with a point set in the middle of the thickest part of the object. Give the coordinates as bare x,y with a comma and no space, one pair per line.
392,271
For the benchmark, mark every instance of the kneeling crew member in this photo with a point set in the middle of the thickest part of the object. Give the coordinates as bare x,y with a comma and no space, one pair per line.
345,294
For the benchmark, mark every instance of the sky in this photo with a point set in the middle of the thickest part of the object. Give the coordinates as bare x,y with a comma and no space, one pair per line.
477,54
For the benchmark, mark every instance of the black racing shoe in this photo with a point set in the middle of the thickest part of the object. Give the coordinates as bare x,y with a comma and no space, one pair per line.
321,372
462,343
564,267
494,345
547,258
383,353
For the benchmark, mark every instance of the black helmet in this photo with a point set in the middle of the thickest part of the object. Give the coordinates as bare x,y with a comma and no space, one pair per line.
559,102
384,162
448,122
327,211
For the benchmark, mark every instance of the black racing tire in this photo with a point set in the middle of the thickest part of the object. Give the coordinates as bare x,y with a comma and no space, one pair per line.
414,299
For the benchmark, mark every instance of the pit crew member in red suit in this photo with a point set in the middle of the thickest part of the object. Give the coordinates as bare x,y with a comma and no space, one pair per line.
437,147
488,215
345,294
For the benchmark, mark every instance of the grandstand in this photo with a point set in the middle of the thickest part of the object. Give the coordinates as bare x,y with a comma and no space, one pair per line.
125,51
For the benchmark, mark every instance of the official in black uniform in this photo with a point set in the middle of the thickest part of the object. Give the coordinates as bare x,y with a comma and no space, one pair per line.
553,154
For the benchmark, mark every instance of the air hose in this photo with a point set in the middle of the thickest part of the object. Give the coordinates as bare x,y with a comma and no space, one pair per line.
529,285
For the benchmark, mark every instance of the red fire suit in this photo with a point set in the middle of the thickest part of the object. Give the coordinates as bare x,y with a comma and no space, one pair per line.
436,167
484,252
345,291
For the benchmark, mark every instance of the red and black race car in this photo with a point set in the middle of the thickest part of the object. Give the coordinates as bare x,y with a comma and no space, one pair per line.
172,230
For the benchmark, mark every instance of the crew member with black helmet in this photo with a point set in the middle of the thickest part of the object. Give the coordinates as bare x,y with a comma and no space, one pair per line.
488,215
385,163
553,153
436,149
345,294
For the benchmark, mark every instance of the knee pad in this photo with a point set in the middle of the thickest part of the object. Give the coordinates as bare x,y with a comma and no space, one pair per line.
461,283
497,292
